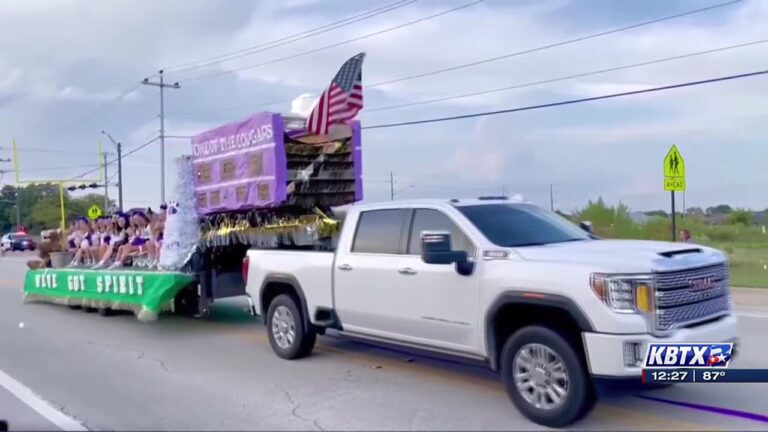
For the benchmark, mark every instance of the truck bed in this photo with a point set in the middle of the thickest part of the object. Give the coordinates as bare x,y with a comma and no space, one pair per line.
312,269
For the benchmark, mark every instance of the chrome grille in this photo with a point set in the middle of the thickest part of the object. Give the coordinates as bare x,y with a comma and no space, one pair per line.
687,297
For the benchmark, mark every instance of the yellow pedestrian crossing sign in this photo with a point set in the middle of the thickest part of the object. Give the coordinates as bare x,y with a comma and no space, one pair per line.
94,212
674,171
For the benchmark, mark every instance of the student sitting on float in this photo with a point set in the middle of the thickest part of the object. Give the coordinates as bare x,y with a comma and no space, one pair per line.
118,236
141,234
85,241
99,240
155,244
73,238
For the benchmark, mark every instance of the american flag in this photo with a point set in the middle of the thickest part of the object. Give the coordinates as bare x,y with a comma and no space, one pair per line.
342,100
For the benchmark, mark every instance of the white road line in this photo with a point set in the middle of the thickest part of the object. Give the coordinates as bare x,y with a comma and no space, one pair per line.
24,394
751,315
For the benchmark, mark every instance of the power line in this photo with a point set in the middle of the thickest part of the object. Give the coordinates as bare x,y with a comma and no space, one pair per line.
39,169
291,38
567,77
46,150
334,45
557,44
492,59
126,154
571,101
100,108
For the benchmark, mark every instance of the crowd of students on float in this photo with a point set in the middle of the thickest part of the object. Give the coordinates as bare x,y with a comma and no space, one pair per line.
110,241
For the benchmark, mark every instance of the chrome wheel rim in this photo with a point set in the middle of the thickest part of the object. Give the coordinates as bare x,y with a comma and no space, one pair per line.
283,327
541,376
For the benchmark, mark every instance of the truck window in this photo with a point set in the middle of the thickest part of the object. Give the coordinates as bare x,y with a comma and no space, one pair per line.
380,231
518,225
434,220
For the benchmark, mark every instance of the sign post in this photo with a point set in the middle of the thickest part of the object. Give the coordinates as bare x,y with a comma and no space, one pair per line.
674,179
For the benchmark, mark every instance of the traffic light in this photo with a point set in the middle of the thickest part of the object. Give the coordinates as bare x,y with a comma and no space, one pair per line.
84,186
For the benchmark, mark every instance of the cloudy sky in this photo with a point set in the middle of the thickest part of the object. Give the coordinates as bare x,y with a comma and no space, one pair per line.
70,68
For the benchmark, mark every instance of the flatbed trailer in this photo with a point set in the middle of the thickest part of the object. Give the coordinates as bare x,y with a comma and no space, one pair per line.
145,293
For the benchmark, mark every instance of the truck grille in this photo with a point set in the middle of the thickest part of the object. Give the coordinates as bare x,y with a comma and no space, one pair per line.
684,298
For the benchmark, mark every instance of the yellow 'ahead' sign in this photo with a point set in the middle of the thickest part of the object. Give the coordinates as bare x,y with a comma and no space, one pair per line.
94,212
674,171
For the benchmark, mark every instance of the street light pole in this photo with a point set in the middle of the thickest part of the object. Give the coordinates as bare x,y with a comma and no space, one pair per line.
162,86
106,184
119,147
18,209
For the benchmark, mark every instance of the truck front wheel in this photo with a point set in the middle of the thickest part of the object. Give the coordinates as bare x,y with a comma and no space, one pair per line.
545,378
286,329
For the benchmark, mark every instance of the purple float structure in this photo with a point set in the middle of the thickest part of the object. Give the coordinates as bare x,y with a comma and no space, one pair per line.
268,160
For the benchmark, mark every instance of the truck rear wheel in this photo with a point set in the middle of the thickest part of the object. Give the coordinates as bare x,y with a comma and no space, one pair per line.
286,329
545,378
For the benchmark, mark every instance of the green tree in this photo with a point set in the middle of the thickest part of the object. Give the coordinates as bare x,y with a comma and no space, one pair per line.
609,221
740,217
40,206
660,213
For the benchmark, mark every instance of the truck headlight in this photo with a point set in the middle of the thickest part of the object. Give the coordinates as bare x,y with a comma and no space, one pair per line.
624,294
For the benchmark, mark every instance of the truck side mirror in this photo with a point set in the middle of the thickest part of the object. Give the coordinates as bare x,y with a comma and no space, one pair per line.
586,226
436,249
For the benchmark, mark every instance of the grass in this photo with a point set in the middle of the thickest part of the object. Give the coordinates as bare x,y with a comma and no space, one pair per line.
749,263
745,245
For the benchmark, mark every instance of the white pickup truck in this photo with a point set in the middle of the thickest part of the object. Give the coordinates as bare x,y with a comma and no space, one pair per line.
533,296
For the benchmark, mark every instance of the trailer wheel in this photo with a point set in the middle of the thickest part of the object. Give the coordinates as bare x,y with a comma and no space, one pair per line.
286,330
187,302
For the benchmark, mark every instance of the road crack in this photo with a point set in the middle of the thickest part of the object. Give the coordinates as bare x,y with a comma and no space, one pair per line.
295,412
162,364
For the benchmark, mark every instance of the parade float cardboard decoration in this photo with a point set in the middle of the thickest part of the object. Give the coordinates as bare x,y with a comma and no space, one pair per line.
266,182
263,162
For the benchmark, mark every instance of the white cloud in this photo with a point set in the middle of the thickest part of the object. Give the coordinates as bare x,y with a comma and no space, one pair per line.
302,105
66,72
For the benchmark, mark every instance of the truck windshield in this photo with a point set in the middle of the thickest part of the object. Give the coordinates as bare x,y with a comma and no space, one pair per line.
516,225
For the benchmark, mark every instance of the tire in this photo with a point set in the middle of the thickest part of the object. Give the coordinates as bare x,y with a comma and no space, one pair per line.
89,310
539,345
285,329
105,312
186,302
74,307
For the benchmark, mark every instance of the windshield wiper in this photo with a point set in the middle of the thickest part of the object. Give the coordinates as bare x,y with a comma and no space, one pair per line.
530,244
548,243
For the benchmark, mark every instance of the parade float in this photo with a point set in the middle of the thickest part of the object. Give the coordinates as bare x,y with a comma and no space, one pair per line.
267,181
260,182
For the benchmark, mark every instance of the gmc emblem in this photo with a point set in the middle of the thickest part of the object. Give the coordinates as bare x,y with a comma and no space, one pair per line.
701,284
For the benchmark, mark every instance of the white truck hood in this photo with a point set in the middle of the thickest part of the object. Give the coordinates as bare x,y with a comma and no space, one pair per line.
625,256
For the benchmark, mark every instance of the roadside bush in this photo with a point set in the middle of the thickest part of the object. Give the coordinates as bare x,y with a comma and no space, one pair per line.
740,217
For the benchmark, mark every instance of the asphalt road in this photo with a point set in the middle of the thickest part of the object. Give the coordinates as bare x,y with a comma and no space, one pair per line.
115,373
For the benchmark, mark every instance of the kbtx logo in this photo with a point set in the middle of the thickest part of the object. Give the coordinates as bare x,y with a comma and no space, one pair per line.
688,355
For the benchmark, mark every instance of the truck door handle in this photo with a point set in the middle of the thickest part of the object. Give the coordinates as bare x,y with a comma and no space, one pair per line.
345,267
407,271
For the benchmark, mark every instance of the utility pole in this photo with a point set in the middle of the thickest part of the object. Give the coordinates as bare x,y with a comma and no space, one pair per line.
18,208
119,147
391,186
106,184
17,199
684,208
551,198
162,86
